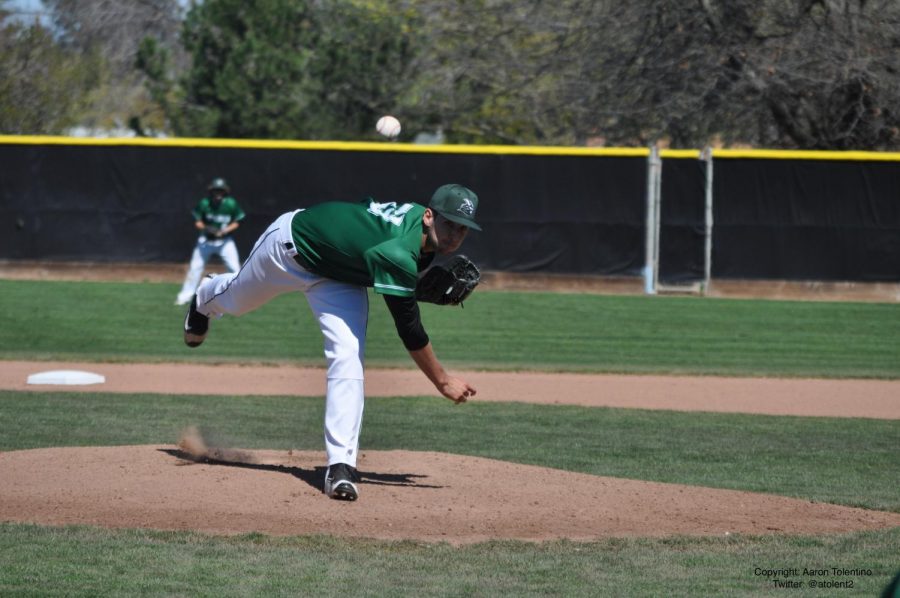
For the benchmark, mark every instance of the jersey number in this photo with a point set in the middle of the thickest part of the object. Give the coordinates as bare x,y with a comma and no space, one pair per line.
390,212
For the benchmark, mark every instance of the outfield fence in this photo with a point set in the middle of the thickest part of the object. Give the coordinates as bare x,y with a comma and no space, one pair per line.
660,214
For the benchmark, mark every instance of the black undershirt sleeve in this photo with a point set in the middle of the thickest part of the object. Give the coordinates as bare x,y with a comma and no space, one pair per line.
425,260
406,318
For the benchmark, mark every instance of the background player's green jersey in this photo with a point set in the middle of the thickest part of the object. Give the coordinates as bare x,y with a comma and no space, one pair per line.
370,244
217,216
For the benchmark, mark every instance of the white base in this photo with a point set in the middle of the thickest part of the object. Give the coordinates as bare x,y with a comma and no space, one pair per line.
66,377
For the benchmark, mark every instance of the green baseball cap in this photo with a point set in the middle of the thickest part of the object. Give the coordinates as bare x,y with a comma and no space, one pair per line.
456,203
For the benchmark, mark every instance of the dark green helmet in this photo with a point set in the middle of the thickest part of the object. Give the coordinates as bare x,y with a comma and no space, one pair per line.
218,183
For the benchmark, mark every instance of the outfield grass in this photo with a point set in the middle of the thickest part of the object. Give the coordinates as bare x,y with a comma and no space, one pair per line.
496,330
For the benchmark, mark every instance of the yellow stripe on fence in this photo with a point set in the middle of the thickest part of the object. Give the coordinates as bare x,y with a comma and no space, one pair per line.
366,146
386,146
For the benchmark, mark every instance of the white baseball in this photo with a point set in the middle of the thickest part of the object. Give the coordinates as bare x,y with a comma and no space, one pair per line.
388,126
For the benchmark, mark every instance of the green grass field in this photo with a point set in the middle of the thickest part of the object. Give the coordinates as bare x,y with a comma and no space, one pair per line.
496,330
843,461
37,561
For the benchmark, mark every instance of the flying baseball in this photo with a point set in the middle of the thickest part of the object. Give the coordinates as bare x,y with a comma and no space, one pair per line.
388,126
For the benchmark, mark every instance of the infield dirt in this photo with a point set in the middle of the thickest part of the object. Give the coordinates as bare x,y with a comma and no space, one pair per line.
404,495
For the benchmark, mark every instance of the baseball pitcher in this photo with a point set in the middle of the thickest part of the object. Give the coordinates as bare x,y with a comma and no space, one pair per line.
332,252
216,216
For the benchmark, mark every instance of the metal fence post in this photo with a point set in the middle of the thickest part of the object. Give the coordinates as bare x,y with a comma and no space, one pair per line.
651,233
707,156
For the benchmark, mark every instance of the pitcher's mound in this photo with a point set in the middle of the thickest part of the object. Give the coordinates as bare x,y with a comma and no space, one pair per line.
403,495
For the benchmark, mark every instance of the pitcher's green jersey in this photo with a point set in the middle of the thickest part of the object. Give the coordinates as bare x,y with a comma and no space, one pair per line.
370,244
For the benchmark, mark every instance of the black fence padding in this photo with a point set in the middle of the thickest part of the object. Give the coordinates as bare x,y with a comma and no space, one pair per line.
571,214
682,220
576,214
806,220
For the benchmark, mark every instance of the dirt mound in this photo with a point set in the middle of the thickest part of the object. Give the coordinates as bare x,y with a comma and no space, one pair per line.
404,495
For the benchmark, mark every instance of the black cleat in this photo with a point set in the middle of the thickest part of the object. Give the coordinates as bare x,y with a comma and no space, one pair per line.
196,325
340,482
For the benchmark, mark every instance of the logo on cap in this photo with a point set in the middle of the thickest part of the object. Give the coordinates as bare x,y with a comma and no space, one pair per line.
456,203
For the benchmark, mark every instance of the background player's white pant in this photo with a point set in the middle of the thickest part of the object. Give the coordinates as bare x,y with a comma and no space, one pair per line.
341,309
203,251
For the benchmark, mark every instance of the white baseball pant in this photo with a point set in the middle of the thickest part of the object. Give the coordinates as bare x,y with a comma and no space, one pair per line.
203,251
341,309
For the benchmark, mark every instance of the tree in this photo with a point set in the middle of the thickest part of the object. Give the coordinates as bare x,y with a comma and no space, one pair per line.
365,62
779,73
813,74
491,70
826,73
114,31
283,68
43,87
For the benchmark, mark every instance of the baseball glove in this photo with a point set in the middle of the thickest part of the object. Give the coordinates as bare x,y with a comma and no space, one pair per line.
449,284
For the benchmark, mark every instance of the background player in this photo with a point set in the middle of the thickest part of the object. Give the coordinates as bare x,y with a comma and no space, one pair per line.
216,216
331,252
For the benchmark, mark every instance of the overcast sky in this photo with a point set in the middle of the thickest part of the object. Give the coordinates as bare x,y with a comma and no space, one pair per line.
26,10
35,6
25,5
